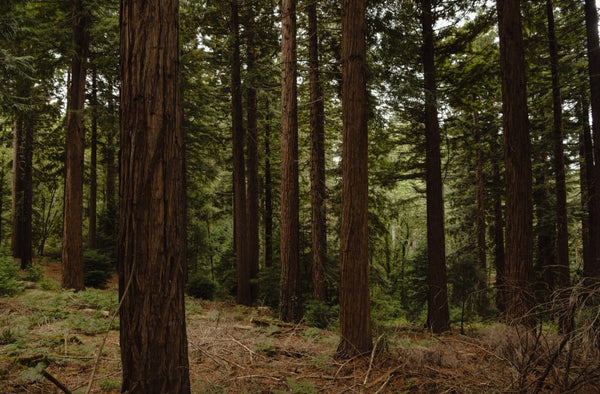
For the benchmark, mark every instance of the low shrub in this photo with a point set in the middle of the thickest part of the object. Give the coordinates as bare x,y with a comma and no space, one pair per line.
9,270
201,286
319,314
98,268
34,273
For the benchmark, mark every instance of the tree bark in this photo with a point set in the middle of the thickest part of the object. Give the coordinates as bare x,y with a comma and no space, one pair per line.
562,235
498,232
243,295
593,48
482,298
355,319
545,231
290,304
268,218
317,161
252,167
93,165
72,238
152,232
437,314
517,158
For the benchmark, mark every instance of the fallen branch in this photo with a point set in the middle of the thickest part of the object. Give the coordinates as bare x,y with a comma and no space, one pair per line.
58,384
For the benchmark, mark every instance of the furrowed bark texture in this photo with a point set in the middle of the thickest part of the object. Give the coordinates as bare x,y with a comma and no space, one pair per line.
317,161
355,322
152,234
517,158
72,238
290,306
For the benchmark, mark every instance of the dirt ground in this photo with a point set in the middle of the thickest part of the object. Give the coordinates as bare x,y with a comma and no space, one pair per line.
52,334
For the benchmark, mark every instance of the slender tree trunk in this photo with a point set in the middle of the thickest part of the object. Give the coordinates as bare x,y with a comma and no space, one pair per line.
586,176
437,313
268,219
252,168
562,235
545,230
93,166
22,187
239,182
111,168
517,159
483,302
72,238
290,304
593,48
498,232
317,167
152,234
355,319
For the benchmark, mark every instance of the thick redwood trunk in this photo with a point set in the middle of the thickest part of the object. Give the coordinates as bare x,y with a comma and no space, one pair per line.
593,48
562,234
517,159
437,313
252,169
239,179
290,304
355,319
152,232
317,160
72,238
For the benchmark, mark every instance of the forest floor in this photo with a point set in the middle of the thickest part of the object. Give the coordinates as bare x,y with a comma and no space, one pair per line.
48,333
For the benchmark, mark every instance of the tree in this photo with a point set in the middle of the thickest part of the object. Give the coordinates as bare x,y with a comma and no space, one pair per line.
252,163
72,239
355,323
152,231
518,269
93,164
437,314
593,52
317,160
290,306
239,180
268,215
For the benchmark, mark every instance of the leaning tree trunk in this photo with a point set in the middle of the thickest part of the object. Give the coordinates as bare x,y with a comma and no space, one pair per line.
152,232
593,48
562,235
239,179
252,168
517,158
72,238
317,160
355,319
437,314
290,304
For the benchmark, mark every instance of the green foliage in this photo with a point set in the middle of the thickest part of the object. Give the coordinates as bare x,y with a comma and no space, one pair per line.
463,276
7,336
8,275
417,288
109,385
384,307
301,387
97,269
268,279
319,314
201,286
33,273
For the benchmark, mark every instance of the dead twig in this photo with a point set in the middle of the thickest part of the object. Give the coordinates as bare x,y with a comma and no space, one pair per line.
371,360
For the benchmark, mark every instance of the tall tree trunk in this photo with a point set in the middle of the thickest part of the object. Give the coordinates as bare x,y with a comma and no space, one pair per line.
252,167
498,232
21,242
562,235
355,319
93,166
111,168
72,238
517,159
586,176
482,298
239,182
317,160
268,219
545,231
593,48
152,233
290,304
437,314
